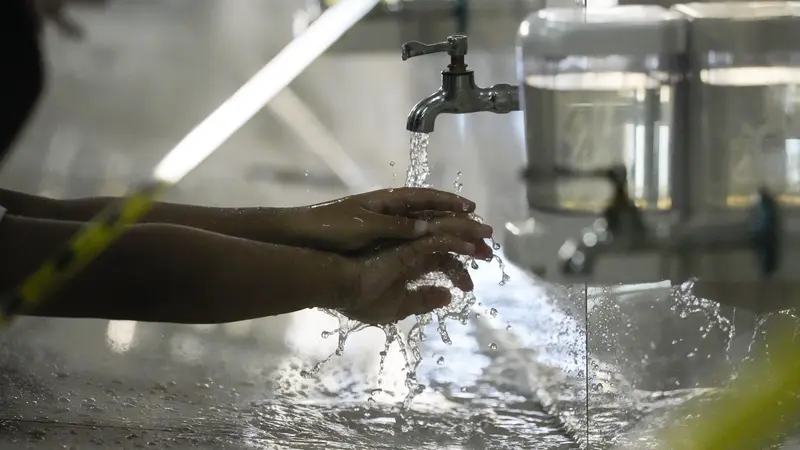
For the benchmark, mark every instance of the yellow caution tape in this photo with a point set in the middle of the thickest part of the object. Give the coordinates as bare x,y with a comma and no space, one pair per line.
198,145
96,236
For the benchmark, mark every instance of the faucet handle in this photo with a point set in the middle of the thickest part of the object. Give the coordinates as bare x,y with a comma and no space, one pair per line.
455,46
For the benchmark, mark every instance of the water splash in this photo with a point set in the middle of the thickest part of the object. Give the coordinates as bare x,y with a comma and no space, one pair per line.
462,302
457,185
345,328
458,309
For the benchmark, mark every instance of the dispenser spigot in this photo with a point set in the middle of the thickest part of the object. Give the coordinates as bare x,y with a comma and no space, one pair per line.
621,226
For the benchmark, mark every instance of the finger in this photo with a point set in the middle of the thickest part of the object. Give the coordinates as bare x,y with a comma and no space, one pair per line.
431,215
424,300
455,271
483,250
462,227
381,226
449,265
403,201
411,254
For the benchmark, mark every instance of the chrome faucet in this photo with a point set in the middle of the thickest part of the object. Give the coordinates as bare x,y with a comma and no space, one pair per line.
458,93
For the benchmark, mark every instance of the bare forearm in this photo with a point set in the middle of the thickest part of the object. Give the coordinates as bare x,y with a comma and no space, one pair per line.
167,273
261,224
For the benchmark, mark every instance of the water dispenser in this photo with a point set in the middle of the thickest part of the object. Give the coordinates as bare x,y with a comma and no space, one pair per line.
741,155
597,88
664,145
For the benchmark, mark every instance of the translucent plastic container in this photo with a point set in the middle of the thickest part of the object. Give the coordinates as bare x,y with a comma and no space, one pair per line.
746,101
597,87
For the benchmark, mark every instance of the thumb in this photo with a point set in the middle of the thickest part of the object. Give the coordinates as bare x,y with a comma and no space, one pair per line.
384,226
423,300
385,269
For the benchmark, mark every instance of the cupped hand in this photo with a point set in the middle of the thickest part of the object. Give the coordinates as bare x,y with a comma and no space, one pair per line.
380,291
361,221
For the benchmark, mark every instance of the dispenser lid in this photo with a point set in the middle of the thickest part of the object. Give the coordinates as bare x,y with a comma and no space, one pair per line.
743,27
628,30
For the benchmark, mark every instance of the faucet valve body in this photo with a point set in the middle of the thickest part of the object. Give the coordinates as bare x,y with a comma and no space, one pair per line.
458,93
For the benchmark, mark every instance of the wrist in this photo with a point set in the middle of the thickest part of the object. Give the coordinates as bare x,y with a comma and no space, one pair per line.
280,226
340,279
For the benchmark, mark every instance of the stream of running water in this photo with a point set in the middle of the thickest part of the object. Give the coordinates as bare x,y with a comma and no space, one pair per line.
458,310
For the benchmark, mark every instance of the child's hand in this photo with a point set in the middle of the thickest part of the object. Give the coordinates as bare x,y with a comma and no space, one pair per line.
378,293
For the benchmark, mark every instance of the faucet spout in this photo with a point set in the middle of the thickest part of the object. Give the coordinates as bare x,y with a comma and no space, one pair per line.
459,95
423,115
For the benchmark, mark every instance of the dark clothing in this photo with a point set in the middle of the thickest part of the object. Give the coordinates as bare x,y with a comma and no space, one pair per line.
23,69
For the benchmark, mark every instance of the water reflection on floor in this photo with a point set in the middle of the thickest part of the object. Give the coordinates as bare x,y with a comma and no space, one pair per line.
510,380
67,383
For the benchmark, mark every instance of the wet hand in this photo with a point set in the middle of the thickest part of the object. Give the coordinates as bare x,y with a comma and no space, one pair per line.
360,221
378,289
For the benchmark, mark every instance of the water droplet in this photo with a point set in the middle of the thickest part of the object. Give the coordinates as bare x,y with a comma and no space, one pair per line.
375,392
505,279
458,174
508,327
371,400
493,312
440,361
474,265
492,346
496,246
305,374
325,334
391,163
306,174
463,389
